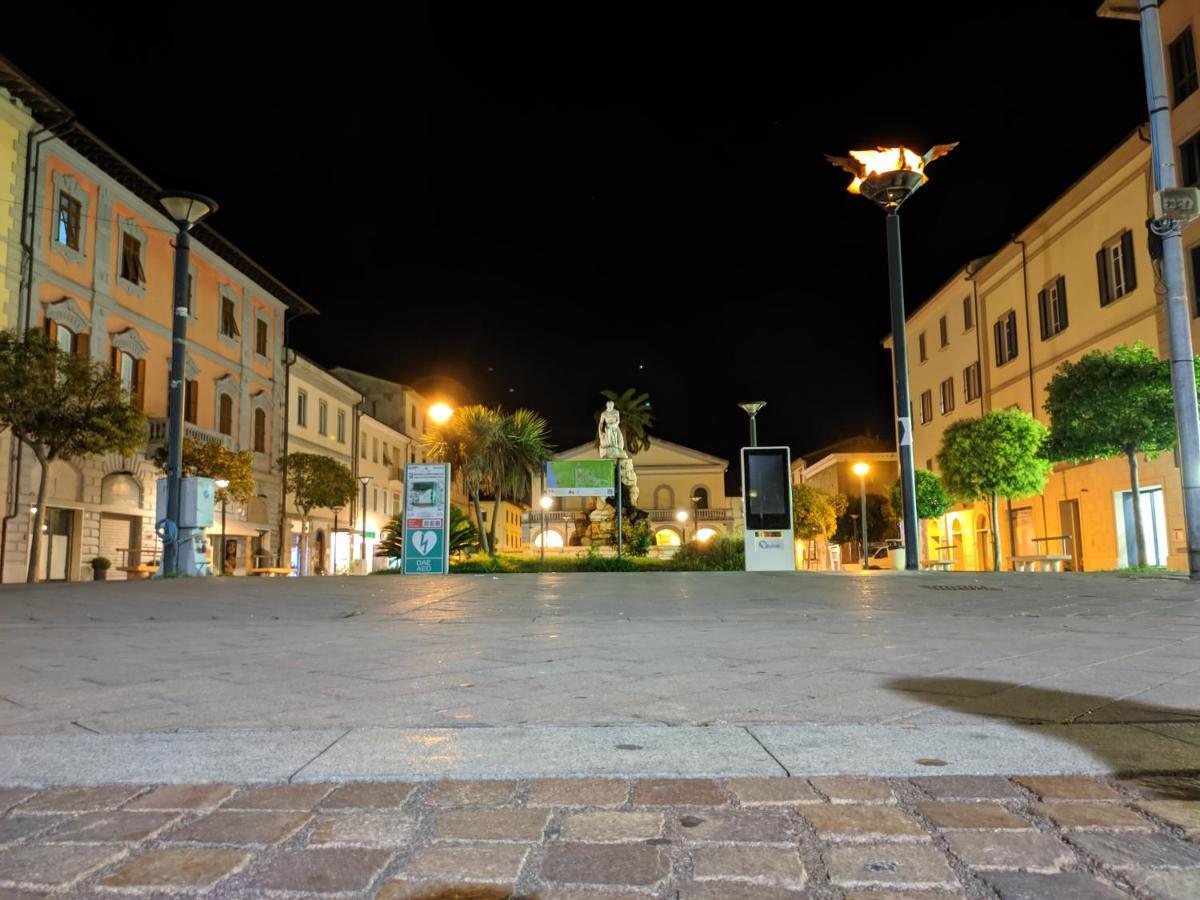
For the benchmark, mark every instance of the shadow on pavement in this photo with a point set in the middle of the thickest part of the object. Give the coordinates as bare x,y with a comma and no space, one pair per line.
1108,728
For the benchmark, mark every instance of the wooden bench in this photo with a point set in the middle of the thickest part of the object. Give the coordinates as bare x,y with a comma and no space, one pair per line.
938,565
269,571
1045,562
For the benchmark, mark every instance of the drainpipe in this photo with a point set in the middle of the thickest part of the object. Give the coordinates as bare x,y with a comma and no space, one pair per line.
287,399
1032,392
33,153
358,413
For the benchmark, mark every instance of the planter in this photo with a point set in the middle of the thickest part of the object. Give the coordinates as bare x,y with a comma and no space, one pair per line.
898,557
100,574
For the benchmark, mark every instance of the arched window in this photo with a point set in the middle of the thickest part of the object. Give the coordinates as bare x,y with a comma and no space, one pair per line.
225,417
260,431
664,497
700,497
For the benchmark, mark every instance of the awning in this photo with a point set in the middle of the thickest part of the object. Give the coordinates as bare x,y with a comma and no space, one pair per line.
232,527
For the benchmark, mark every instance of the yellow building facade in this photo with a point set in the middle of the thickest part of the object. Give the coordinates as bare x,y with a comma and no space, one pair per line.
1078,278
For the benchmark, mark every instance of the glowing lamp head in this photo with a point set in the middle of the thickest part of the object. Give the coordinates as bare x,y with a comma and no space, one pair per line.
546,502
221,483
888,175
440,413
861,469
681,516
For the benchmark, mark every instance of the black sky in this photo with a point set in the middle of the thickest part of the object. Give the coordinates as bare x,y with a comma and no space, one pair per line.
541,202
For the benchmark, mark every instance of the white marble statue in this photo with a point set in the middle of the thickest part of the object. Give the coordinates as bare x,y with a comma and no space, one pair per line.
612,442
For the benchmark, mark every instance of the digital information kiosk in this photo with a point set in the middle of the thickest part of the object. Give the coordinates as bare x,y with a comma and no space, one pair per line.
767,501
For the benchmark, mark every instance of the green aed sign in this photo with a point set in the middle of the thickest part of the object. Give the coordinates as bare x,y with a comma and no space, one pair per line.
426,518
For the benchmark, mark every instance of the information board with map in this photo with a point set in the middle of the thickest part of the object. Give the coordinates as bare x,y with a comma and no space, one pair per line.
580,478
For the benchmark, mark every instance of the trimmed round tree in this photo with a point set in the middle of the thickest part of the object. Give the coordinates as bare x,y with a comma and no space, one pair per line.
314,481
1113,404
997,455
932,500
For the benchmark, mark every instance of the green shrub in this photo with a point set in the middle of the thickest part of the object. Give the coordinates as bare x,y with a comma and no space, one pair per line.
101,562
720,553
637,537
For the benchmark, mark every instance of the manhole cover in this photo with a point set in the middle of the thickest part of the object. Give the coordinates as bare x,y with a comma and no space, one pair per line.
960,587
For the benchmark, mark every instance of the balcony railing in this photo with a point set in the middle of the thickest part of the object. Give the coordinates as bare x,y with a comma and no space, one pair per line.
159,434
534,516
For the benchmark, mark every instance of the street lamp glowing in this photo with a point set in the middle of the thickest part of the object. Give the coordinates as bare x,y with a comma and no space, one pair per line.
861,469
888,175
546,502
221,483
440,413
681,516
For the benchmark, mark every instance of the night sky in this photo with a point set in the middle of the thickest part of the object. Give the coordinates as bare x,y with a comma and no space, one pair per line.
535,203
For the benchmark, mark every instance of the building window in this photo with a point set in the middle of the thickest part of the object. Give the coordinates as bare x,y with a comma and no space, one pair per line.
225,415
1052,307
191,401
341,426
1114,268
926,406
972,386
322,418
131,260
70,211
1005,333
374,499
395,504
944,332
375,449
1189,158
61,336
921,347
229,326
413,457
1183,66
387,459
946,395
968,314
260,337
302,409
260,431
362,444
132,372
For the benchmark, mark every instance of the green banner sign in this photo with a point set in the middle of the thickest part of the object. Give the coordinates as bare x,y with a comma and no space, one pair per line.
580,478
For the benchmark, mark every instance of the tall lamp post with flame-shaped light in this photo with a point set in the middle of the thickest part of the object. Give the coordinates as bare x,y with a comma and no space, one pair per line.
888,176
752,407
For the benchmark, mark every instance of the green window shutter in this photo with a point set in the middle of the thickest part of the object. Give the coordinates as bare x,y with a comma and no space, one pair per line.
1102,275
1127,262
1062,302
1043,315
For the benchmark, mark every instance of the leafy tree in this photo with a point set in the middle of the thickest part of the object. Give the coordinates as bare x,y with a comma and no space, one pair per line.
61,406
637,417
212,459
1113,404
462,537
814,512
636,536
998,455
315,481
881,521
464,440
932,500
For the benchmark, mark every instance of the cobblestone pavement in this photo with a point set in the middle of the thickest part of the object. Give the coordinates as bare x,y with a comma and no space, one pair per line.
926,838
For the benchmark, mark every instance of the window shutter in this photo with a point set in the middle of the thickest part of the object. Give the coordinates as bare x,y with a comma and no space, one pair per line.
139,383
1062,302
1102,273
52,330
1012,335
81,345
999,340
191,390
1043,315
114,360
1127,261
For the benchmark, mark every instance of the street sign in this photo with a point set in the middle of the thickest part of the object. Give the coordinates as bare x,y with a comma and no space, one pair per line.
426,518
580,478
1177,204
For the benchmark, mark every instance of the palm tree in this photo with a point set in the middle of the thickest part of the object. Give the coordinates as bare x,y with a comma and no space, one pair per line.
466,441
637,417
519,449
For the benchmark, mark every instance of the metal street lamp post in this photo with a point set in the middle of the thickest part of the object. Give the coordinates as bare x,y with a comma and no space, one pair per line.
888,177
752,407
336,510
221,484
364,480
861,469
186,210
544,503
682,517
1170,231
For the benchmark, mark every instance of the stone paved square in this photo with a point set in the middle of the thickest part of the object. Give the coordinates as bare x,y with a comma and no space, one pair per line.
970,815
184,869
280,796
112,827
678,792
773,866
370,829
611,827
639,864
771,791
183,797
369,795
326,870
77,800
256,828
578,792
1029,850
53,866
917,866
854,789
490,863
1064,886
865,823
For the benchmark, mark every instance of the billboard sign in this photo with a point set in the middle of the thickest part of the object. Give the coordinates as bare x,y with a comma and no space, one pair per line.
580,478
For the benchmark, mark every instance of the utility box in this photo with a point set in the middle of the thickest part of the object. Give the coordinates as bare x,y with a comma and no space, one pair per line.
767,501
197,498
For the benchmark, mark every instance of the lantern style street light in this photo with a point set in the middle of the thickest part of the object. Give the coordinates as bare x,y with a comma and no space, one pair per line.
440,413
186,211
861,469
888,176
752,407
